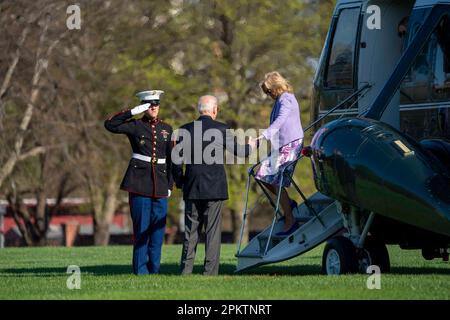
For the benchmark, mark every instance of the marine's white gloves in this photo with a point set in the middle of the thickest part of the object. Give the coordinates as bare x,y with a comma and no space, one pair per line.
140,108
170,192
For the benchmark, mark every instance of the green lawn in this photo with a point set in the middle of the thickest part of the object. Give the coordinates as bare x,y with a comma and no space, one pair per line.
40,273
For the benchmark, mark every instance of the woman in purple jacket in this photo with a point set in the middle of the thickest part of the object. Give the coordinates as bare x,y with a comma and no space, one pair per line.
286,136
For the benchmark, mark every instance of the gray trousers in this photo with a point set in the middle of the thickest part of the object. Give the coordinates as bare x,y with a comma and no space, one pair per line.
197,214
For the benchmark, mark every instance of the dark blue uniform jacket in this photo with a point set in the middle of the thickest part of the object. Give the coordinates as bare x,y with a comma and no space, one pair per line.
151,139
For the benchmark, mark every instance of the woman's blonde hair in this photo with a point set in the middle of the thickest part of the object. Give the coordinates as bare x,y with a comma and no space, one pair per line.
276,83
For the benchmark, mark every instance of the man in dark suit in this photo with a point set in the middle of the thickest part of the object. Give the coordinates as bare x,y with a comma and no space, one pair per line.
202,144
148,178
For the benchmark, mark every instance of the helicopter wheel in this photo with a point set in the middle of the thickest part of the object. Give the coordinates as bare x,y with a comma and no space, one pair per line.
339,257
374,253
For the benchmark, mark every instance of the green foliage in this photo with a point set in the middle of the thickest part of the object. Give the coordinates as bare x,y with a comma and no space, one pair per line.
222,48
236,43
186,48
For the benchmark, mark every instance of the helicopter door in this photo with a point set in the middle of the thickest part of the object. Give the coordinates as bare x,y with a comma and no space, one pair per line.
337,76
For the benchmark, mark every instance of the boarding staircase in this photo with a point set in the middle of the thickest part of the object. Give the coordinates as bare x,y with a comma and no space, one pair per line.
319,217
320,220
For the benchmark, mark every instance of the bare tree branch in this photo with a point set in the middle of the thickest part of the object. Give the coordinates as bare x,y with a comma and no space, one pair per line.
40,66
12,66
32,153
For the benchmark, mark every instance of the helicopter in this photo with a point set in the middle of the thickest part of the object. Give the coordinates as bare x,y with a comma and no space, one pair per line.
380,151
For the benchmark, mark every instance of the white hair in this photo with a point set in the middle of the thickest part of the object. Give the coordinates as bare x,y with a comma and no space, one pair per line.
206,104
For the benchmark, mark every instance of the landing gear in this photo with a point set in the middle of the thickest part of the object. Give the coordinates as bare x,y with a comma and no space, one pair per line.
339,257
358,249
342,257
374,253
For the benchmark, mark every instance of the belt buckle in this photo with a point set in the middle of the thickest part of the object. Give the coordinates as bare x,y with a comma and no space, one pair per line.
154,160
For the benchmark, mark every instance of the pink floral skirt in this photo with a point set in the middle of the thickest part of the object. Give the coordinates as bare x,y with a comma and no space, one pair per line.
271,168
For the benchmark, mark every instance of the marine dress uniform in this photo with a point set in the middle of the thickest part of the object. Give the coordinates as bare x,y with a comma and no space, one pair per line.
148,179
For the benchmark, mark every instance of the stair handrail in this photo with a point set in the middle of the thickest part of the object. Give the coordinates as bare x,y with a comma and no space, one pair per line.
339,105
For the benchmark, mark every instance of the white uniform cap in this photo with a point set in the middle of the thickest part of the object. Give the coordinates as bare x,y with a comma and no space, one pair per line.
149,95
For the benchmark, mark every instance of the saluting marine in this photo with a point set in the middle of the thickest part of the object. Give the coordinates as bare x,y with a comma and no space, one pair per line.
148,178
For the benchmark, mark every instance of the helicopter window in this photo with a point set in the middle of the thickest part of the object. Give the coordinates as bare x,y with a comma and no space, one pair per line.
425,91
428,80
443,35
341,60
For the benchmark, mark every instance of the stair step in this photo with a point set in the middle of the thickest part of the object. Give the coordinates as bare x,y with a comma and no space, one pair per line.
275,240
274,237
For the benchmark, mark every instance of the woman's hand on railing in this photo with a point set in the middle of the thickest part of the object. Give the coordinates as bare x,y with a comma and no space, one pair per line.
253,142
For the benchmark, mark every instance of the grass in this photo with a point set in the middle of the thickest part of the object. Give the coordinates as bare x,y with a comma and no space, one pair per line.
40,273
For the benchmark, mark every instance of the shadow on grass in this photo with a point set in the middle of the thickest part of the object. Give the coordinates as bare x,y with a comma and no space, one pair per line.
166,269
419,270
225,269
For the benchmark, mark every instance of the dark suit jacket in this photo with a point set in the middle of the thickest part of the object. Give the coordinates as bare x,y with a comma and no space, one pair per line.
205,180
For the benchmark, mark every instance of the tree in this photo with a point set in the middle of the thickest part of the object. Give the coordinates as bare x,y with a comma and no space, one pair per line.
58,85
45,41
62,90
235,44
225,48
33,223
26,95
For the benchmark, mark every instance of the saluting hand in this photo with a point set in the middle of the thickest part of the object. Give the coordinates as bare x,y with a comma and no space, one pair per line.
140,108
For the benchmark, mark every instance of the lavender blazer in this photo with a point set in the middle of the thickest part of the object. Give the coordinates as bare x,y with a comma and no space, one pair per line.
285,124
